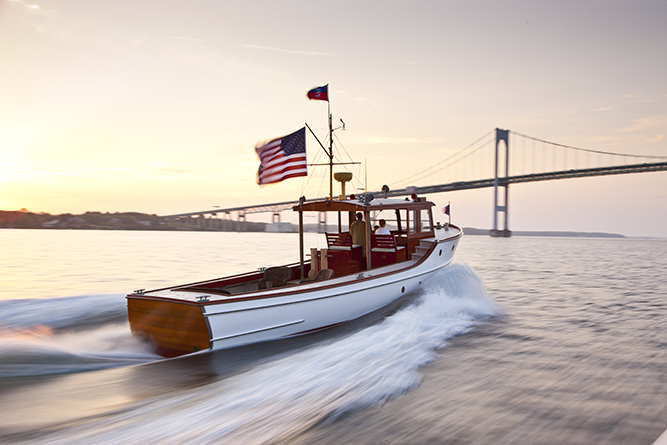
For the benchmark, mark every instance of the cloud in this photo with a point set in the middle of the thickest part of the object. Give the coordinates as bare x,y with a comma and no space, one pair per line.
393,140
34,8
484,73
647,123
187,39
647,130
117,169
176,171
290,51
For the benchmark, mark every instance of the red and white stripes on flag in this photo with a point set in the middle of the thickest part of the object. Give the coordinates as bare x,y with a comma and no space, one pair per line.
282,158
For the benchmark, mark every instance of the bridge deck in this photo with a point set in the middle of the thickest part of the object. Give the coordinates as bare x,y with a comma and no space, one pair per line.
462,185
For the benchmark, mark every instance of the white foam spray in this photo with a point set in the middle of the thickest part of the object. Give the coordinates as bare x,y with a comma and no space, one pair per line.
65,335
279,399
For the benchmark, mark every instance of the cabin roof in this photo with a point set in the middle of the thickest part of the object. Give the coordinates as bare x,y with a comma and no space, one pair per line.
349,205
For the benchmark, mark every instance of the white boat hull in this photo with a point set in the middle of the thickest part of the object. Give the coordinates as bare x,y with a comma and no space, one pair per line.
320,305
185,319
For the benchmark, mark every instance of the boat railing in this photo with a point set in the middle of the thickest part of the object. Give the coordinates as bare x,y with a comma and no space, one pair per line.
242,278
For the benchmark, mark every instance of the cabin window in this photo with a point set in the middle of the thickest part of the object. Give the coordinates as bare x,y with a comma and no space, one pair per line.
403,221
393,221
426,224
416,222
413,221
421,221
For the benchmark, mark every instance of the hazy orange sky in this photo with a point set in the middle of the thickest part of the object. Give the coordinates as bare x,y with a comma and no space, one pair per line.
156,106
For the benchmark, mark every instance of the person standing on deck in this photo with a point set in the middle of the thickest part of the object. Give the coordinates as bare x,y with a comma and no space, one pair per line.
358,232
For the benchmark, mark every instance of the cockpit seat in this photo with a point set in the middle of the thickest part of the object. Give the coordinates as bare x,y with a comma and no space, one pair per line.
384,250
322,275
275,277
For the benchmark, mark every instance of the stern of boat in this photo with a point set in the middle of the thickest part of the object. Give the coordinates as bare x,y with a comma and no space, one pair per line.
172,328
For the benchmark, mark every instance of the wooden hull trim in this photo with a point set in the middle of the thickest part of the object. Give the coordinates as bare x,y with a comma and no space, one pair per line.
172,328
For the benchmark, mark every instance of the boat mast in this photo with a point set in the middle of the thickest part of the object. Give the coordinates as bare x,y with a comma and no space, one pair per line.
302,273
330,152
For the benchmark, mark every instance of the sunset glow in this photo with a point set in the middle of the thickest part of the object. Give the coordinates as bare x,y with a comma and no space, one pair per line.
156,106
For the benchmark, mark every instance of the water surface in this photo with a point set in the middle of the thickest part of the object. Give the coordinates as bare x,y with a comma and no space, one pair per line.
523,340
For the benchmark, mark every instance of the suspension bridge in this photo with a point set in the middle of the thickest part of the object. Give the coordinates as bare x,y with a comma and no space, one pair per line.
491,162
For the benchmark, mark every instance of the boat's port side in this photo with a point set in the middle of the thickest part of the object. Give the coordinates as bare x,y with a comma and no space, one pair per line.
248,282
172,328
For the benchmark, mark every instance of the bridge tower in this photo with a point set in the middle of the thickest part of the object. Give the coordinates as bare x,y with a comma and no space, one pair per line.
501,135
322,223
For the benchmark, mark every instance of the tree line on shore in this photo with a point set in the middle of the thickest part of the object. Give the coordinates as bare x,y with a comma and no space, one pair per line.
24,219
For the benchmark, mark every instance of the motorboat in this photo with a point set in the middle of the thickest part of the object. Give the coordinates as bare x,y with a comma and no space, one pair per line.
337,284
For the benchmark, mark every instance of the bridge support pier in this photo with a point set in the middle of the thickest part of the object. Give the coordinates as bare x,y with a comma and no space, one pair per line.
501,135
322,223
240,224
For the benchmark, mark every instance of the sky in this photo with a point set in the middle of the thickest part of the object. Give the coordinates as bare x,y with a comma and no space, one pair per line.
156,106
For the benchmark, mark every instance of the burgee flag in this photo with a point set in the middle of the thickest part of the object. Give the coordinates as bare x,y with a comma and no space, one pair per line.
446,209
282,158
319,93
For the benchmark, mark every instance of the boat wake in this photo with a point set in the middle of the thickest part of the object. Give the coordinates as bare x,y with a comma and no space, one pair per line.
66,335
277,400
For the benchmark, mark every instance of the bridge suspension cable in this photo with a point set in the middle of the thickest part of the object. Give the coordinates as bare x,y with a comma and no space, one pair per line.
531,156
438,167
627,155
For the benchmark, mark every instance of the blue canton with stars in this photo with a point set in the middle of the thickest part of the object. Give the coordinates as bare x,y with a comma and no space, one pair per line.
294,143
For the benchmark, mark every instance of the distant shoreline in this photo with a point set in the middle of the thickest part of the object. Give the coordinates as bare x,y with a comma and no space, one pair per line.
550,233
23,219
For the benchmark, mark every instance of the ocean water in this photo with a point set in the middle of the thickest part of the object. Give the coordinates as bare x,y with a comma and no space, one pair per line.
521,340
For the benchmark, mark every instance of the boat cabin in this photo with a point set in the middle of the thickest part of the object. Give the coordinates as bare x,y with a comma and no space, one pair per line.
299,298
409,220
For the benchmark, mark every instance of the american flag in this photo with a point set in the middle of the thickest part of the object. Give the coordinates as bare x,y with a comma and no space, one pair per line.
282,158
